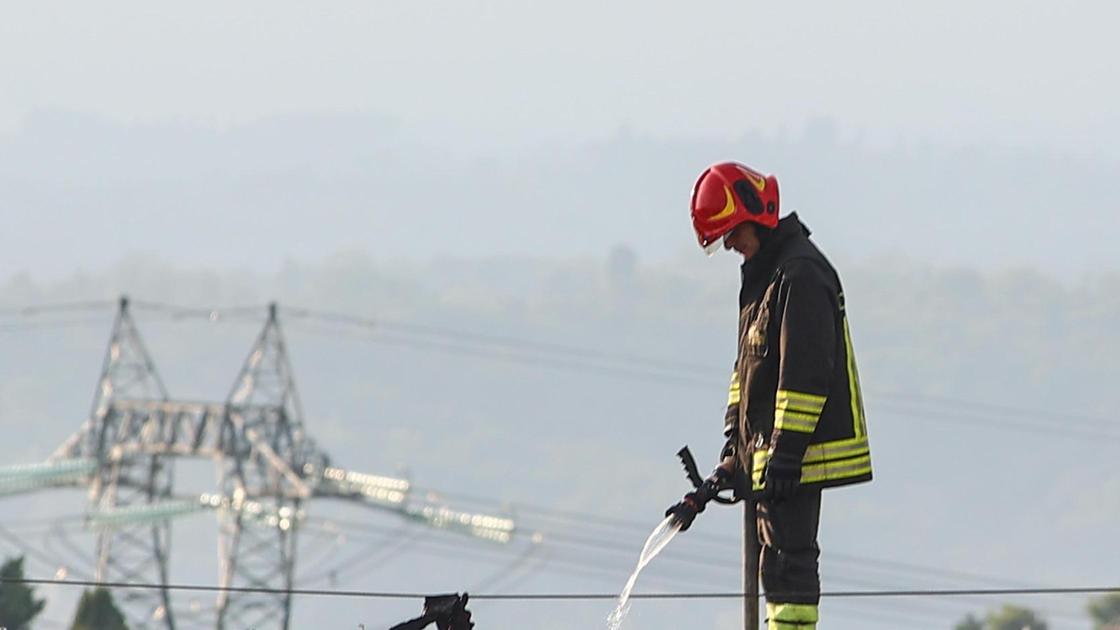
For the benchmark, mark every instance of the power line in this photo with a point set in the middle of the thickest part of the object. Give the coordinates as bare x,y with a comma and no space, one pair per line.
550,354
633,366
51,325
601,541
1072,590
685,577
178,311
57,307
490,339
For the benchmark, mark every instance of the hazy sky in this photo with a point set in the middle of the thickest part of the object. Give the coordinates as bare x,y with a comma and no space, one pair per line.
1010,71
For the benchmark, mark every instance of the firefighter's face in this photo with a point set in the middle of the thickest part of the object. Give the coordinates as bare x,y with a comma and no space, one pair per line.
743,239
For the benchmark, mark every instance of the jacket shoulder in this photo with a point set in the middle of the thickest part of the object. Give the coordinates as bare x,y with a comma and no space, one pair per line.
803,262
807,269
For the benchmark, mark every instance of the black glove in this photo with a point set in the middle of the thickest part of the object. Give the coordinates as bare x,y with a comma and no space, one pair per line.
685,511
782,478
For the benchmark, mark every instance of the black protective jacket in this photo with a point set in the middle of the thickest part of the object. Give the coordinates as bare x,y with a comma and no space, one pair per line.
795,390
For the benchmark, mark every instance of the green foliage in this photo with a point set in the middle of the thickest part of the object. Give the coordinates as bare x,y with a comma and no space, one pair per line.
969,623
1009,617
96,611
1105,611
18,605
1014,618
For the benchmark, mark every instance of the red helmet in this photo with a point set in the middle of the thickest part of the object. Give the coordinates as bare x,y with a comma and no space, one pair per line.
728,194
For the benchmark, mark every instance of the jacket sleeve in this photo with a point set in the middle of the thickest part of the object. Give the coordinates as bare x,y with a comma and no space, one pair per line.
731,417
807,344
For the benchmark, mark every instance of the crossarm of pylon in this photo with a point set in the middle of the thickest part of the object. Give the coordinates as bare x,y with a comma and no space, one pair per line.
299,486
485,526
69,448
388,492
139,514
253,512
27,477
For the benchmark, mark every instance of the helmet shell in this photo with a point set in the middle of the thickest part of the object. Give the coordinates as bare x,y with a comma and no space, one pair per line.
729,193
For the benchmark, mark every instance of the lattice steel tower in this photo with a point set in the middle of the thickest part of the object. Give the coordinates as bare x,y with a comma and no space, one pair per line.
269,469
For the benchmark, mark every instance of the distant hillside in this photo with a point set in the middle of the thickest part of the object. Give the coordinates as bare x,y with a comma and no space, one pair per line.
84,191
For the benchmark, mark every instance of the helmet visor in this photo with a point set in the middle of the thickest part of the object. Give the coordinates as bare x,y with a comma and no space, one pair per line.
716,245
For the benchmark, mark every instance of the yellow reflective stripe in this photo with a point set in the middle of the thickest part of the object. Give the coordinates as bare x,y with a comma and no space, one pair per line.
758,463
837,449
859,424
797,614
839,459
799,401
774,624
829,471
733,390
785,420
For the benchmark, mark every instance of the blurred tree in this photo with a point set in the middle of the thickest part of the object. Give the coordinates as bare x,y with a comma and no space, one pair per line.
1105,611
18,605
969,623
96,611
1009,617
1012,617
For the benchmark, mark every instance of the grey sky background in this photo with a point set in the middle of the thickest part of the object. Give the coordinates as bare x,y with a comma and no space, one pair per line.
251,134
523,168
501,73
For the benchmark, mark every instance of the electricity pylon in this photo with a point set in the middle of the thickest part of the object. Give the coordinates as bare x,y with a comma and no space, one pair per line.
267,454
126,478
268,470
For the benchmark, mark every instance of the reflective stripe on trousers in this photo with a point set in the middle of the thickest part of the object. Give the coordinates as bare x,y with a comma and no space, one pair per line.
791,617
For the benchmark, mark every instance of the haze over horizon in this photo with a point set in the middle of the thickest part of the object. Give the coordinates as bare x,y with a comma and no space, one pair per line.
961,134
496,169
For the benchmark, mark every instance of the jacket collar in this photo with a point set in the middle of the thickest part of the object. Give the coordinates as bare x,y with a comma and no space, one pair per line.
762,263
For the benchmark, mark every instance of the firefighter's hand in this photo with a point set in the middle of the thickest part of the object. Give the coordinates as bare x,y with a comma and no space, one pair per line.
685,511
782,478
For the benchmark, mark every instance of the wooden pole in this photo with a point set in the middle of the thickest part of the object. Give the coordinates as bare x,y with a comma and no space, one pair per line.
750,565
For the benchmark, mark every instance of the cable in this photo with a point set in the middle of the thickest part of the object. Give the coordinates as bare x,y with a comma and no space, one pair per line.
583,519
693,369
686,577
1075,433
57,307
488,339
514,356
564,356
508,345
39,556
1079,590
603,541
684,375
50,325
213,314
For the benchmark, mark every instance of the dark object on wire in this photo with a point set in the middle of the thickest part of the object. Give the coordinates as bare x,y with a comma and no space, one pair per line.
448,612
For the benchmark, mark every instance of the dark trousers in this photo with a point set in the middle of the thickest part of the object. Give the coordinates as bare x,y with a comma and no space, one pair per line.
787,531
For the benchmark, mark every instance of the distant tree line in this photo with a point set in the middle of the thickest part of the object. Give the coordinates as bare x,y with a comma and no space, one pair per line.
1103,610
19,607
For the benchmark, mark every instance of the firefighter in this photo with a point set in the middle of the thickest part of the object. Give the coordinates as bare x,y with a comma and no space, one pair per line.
794,421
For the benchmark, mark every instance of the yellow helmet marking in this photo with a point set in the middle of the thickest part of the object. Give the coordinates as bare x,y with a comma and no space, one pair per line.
759,182
728,208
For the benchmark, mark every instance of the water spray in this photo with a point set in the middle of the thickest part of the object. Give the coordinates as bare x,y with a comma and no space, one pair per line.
679,517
